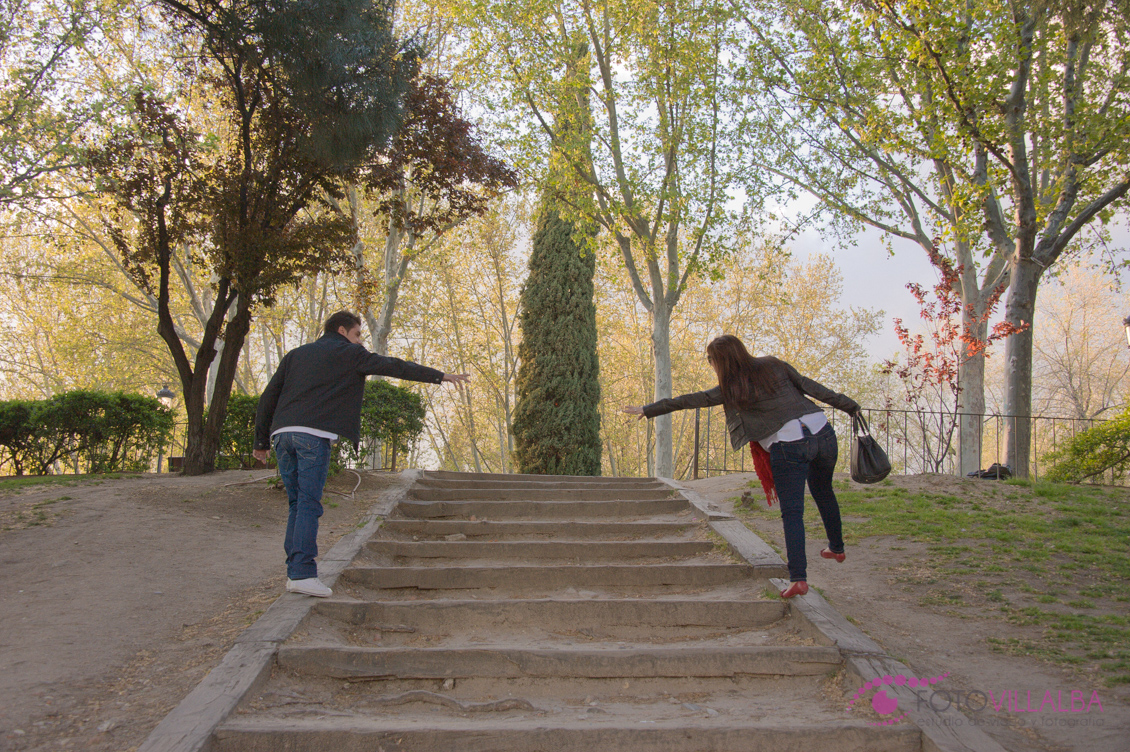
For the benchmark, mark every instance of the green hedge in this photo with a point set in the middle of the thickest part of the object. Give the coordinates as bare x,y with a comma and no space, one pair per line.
237,437
93,432
392,418
1089,454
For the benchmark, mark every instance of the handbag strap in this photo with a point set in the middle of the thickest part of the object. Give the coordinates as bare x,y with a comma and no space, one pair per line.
859,425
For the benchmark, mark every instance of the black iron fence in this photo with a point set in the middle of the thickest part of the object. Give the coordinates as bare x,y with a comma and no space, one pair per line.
916,441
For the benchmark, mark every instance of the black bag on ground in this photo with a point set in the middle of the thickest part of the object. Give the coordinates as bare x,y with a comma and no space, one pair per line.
869,463
995,472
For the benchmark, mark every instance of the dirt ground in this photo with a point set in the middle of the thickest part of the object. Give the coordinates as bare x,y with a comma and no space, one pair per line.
867,590
119,596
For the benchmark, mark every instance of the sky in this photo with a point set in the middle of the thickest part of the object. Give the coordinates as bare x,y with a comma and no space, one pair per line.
873,278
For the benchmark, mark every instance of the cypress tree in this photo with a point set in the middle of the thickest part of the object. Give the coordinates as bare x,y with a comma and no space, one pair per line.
556,419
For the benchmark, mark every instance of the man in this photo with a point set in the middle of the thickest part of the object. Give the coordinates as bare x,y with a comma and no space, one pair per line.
314,399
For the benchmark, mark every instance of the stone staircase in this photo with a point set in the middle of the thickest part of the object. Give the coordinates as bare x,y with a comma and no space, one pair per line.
539,614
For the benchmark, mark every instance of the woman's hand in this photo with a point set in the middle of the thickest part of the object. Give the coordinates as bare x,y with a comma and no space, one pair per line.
633,410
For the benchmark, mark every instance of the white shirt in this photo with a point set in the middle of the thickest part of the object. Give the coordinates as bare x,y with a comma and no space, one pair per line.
792,430
303,429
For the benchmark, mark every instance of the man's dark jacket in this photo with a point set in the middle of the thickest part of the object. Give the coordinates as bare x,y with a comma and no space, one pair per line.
321,385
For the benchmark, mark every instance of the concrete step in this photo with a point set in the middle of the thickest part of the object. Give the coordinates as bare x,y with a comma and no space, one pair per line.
547,577
579,734
430,475
431,616
518,510
533,529
505,642
534,482
603,663
408,553
541,494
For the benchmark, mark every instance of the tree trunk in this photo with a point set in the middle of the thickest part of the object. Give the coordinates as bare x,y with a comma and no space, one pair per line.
971,401
212,372
661,343
1020,312
396,269
203,444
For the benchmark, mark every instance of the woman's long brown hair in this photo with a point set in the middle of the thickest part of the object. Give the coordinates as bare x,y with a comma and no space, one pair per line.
743,378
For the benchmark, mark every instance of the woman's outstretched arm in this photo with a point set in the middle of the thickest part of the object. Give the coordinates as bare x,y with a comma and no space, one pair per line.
709,398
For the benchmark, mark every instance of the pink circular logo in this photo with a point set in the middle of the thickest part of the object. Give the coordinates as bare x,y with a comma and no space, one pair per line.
884,704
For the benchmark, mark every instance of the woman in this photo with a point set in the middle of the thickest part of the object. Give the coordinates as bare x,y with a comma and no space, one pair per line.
765,402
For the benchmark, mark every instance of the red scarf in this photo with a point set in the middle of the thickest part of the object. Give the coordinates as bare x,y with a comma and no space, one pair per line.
764,470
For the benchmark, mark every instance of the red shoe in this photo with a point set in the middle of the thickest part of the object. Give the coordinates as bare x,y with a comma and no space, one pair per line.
800,587
827,554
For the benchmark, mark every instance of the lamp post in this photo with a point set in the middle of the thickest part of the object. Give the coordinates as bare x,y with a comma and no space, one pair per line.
165,396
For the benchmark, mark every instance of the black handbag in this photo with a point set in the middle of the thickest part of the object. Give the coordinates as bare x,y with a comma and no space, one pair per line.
869,463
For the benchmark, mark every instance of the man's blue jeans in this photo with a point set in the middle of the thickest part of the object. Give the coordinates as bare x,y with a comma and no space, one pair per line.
811,459
304,461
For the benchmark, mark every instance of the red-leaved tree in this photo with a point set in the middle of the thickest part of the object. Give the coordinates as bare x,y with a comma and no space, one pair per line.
929,373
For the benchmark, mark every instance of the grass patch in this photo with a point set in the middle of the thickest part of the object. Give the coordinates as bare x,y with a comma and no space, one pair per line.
995,551
721,546
20,482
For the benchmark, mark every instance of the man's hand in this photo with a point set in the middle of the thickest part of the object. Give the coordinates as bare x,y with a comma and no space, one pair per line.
633,410
459,379
261,455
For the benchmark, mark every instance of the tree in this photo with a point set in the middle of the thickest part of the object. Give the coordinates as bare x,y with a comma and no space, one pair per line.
237,438
305,94
1080,360
998,128
392,418
777,305
1093,452
40,117
556,420
463,308
107,431
434,176
930,373
66,332
651,169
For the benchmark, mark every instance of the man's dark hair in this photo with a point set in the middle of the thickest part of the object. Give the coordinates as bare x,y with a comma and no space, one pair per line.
342,318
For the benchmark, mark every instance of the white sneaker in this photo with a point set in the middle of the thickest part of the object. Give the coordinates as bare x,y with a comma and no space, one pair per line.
310,586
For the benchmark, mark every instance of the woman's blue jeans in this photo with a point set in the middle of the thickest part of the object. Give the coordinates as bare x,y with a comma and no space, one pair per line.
811,459
304,461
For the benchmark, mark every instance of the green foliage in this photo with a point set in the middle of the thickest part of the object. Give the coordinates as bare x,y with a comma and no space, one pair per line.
41,120
340,67
1093,452
392,418
392,414
557,418
1015,553
237,437
17,432
104,432
121,431
299,96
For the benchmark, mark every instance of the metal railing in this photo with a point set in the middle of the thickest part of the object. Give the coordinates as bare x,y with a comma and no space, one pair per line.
916,441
